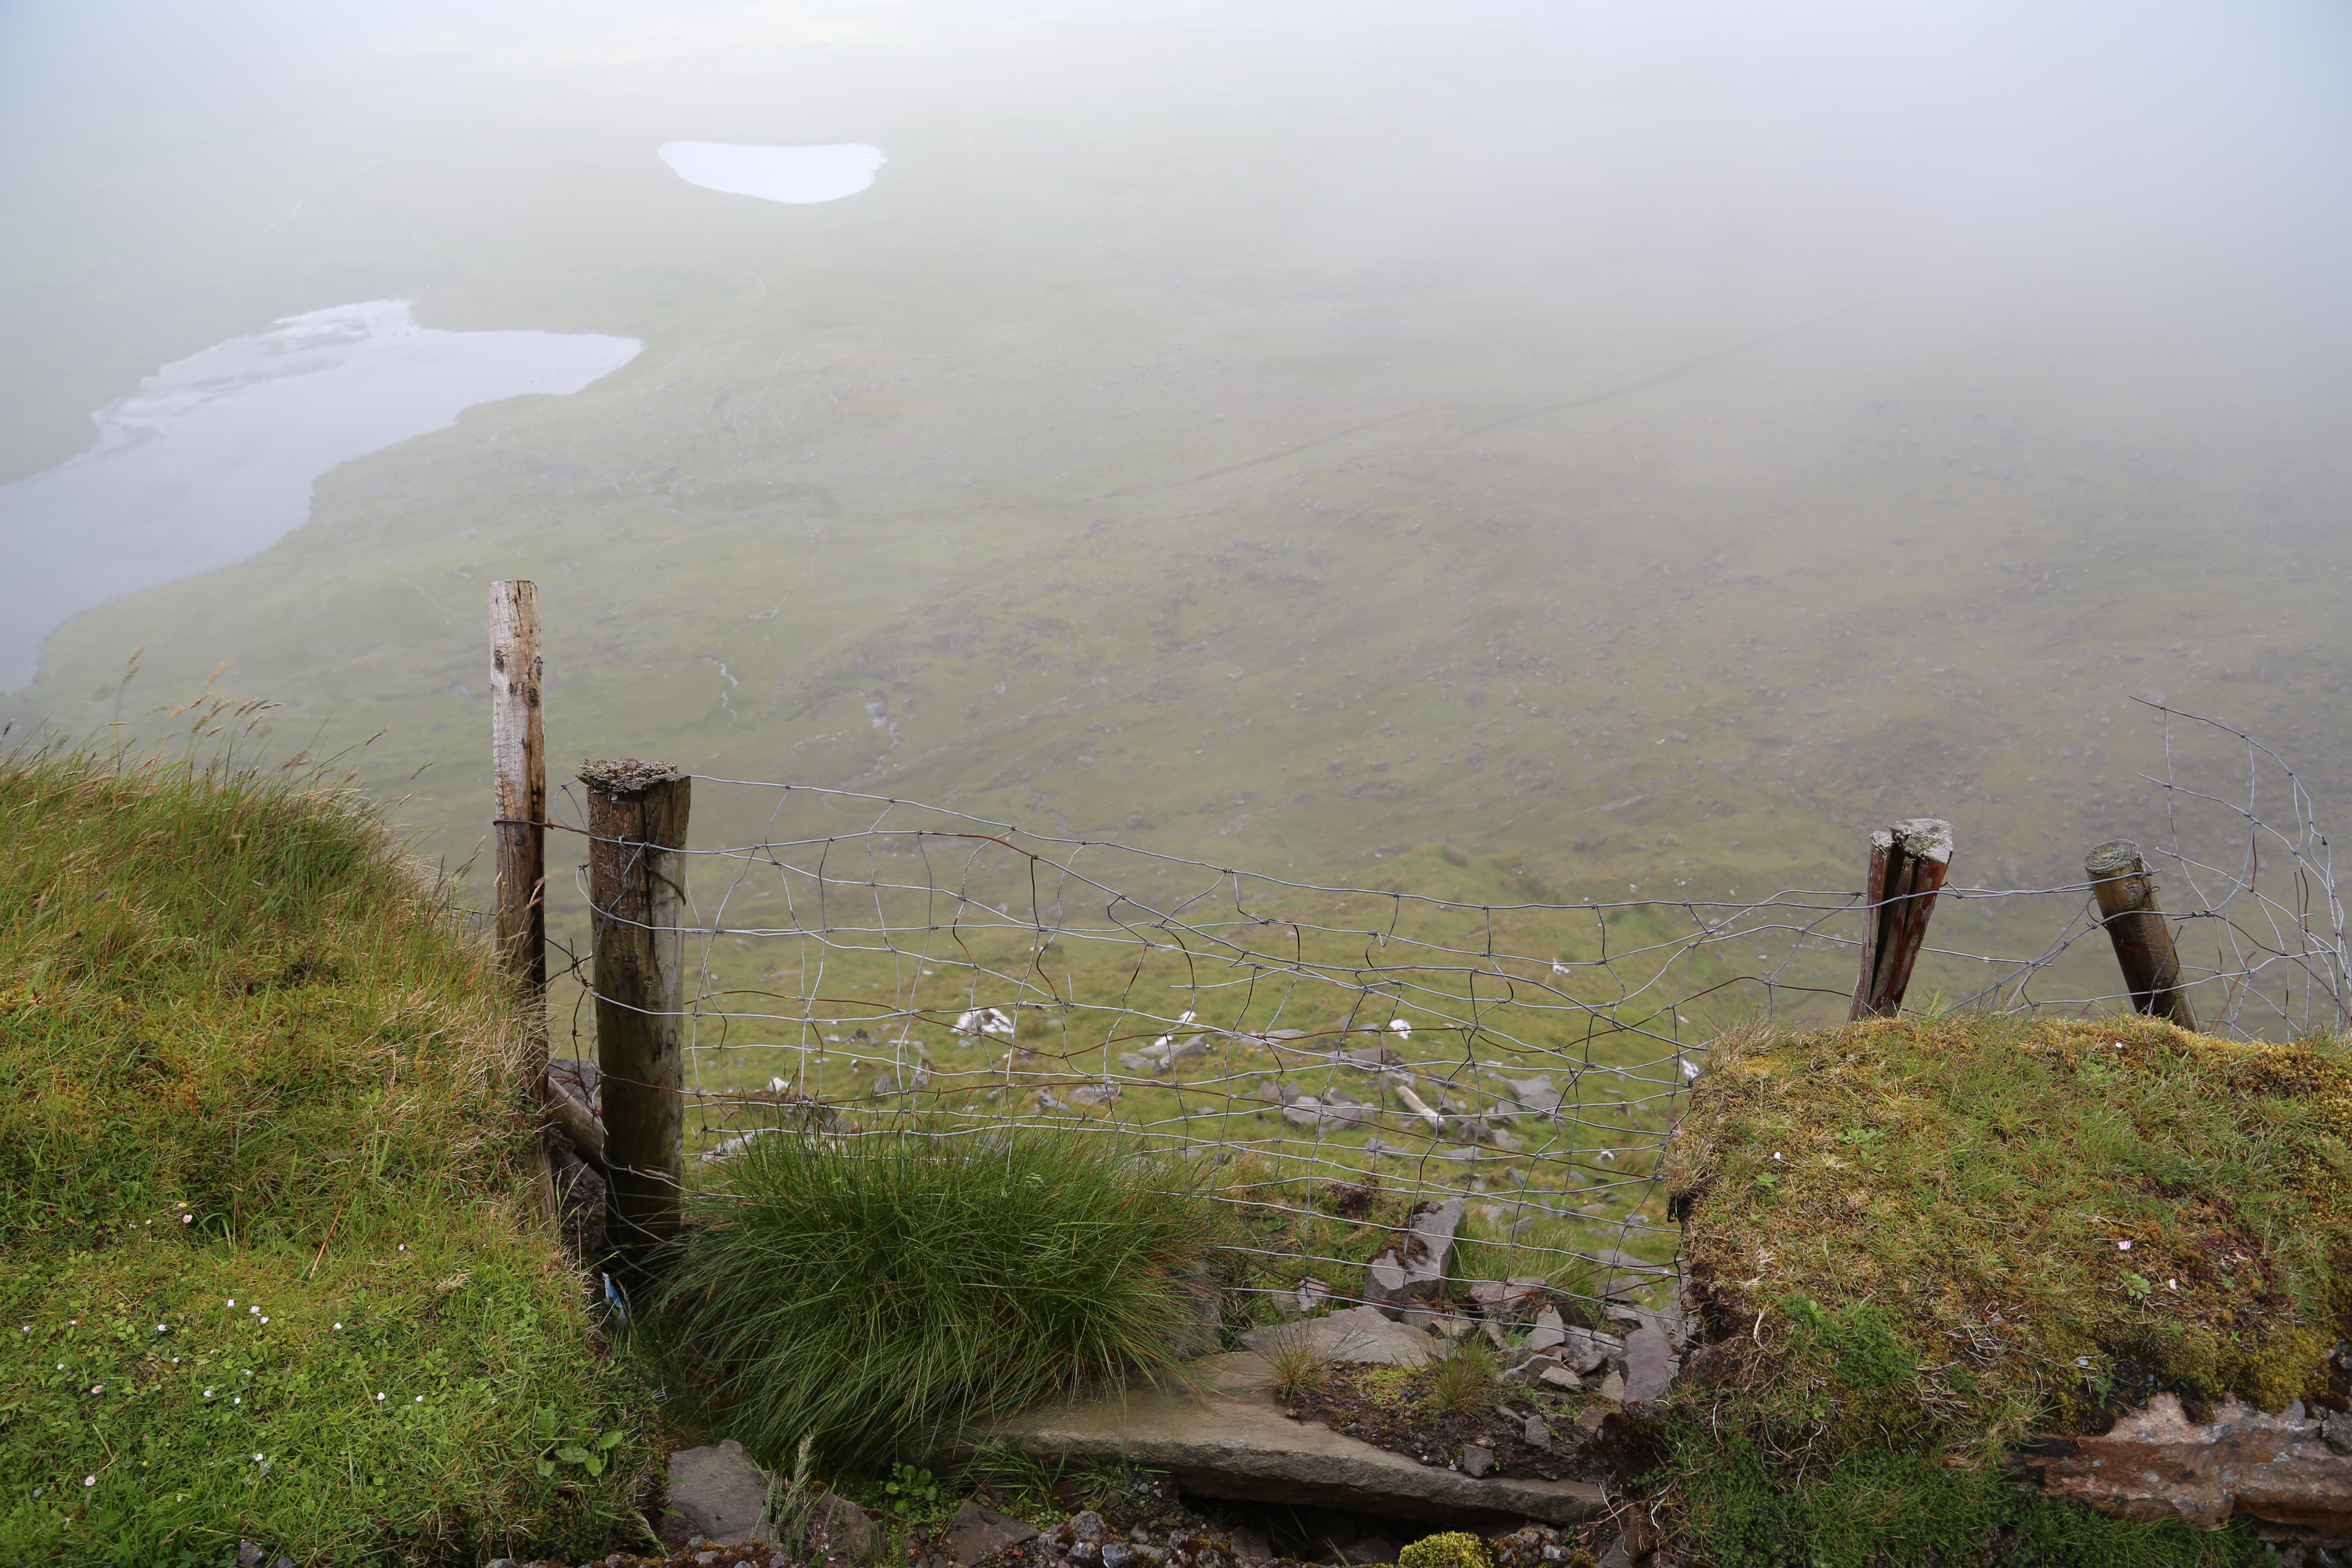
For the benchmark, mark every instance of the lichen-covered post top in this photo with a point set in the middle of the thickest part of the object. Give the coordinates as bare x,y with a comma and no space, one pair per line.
626,778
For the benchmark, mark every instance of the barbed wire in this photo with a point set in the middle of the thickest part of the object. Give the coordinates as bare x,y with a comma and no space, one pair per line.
922,970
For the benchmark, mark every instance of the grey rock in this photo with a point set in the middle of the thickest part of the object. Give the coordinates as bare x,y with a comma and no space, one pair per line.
1306,1112
1222,1435
1535,1433
250,1555
1369,1548
1586,1351
1141,1535
1613,1386
1419,1256
1648,1369
1362,1335
1560,1377
1549,1334
1477,1461
1134,1062
1116,1554
1617,1556
2336,1431
720,1492
1535,1095
1089,1526
1093,1094
976,1532
1250,1545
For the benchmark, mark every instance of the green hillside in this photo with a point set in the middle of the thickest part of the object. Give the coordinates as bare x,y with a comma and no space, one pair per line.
274,1272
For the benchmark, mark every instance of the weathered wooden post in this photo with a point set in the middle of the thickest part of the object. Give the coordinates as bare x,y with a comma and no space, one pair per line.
636,897
519,756
1907,863
518,824
2126,895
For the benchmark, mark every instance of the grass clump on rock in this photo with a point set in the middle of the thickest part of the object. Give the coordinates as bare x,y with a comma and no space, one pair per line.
867,1290
274,1272
1917,1245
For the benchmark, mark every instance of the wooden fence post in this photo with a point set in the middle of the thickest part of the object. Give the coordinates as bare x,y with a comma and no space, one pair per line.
636,888
518,762
519,754
2126,895
1907,863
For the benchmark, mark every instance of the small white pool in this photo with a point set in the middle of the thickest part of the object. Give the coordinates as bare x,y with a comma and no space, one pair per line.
796,174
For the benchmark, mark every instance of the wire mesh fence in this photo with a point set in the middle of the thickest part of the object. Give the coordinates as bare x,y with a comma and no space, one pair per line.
1344,1055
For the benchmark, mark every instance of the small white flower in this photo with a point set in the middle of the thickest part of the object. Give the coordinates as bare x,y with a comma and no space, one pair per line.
208,1393
265,1320
403,1246
187,1219
61,1366
98,1388
257,1458
2172,1284
252,1310
159,1327
379,1399
238,1400
420,1399
2122,1246
1775,1154
90,1481
338,1328
232,1300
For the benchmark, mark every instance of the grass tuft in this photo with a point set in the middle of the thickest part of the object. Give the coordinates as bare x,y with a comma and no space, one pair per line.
863,1291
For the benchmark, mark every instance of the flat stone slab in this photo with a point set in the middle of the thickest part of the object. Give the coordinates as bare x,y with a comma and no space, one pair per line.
1364,1335
1226,1438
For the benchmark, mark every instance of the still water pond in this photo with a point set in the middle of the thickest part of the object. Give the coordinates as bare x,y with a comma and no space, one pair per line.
213,457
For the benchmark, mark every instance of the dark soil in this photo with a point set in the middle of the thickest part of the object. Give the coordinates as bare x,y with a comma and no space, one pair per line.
1392,1411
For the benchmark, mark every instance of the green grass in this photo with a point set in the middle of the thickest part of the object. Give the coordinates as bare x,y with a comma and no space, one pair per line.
1910,1241
866,1292
259,1163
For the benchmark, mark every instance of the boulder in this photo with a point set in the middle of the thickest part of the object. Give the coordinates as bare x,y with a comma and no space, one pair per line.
719,1492
2156,1463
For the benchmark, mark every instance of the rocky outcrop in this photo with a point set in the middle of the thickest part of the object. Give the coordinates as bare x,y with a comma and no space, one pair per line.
2293,1469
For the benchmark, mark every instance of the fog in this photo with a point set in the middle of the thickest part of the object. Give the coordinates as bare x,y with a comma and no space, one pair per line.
1594,292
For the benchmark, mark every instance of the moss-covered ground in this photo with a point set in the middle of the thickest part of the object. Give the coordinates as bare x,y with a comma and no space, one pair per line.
1916,1244
273,1268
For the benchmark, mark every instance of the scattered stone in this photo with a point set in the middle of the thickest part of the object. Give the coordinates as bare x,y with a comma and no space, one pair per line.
1535,1095
1415,1269
1380,1149
1250,1545
2158,1464
1648,1367
1476,1460
1116,1554
1134,1062
842,1528
1304,1112
1369,1549
976,1532
1613,1386
1360,1334
1617,1556
1088,1527
1560,1377
1549,1333
2336,1431
1535,1433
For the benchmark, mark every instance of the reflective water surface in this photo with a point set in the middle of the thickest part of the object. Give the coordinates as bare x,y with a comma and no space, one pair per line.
213,457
